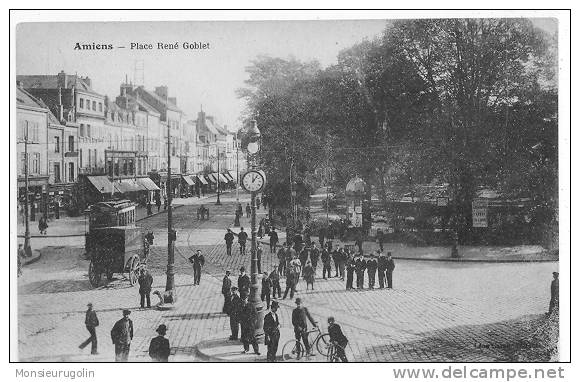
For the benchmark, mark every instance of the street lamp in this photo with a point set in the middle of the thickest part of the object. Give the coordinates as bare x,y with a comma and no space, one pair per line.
218,202
252,142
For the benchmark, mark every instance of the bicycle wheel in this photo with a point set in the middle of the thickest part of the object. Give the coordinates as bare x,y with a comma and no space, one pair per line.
292,351
323,344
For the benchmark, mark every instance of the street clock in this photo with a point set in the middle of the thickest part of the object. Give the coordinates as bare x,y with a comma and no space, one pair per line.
254,181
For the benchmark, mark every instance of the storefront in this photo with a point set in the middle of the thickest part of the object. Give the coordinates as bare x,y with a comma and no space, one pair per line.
37,196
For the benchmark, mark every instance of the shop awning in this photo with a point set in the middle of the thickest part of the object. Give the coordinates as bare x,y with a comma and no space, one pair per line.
223,179
188,180
233,175
202,179
148,184
102,184
129,185
211,178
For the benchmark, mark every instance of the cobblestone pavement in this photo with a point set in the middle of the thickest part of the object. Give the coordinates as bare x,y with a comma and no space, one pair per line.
437,311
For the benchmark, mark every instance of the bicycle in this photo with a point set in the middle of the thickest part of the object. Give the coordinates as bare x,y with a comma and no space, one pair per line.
332,352
295,350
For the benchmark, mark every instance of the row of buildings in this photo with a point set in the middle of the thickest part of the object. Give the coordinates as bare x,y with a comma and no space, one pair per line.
83,146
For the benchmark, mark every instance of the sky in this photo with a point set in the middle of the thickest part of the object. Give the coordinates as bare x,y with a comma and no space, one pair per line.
195,77
209,77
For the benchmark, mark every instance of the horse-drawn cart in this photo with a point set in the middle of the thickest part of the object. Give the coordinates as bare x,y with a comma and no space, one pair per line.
113,243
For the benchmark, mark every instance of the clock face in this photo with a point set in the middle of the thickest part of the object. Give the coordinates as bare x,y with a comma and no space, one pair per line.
253,181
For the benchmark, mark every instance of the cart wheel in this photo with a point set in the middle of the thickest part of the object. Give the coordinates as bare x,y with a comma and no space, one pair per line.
133,269
94,275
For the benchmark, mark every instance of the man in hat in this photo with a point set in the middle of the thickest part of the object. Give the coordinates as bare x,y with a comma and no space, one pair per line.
259,252
272,332
145,281
235,307
282,260
243,282
381,267
229,238
273,240
121,335
159,346
266,289
227,292
248,318
390,269
242,238
198,262
91,322
338,338
300,315
275,277
554,294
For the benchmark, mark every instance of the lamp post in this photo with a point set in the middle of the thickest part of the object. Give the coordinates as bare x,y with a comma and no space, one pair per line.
27,249
253,148
169,297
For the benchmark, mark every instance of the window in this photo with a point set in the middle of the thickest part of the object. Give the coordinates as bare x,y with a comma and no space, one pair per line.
57,144
81,103
56,170
94,105
82,130
89,131
35,168
71,143
95,156
88,101
81,158
22,164
71,172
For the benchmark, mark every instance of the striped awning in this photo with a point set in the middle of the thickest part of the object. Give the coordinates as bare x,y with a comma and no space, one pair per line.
148,184
202,179
232,175
223,179
188,180
211,178
228,177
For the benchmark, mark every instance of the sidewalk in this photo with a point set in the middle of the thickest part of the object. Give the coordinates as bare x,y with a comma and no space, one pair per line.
78,225
483,254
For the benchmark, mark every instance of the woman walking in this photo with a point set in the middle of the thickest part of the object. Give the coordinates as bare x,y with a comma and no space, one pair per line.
308,274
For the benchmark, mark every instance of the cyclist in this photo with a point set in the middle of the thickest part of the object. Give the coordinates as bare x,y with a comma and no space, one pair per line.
337,338
299,316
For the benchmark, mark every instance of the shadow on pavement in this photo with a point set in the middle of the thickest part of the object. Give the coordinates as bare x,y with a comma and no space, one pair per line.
55,286
531,338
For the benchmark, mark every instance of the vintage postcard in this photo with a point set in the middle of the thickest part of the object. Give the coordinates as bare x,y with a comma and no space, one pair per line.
384,188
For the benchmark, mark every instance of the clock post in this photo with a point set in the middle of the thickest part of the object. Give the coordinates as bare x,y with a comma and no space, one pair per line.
254,182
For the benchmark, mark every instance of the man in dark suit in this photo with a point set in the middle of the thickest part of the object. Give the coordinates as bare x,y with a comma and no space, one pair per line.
229,239
91,322
382,267
266,289
235,307
275,277
145,281
122,335
338,338
372,271
360,266
390,269
198,262
227,292
159,349
273,240
300,315
242,238
248,317
272,332
243,283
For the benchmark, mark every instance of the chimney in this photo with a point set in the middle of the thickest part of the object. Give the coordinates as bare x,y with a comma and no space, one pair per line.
161,91
173,100
60,105
61,80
